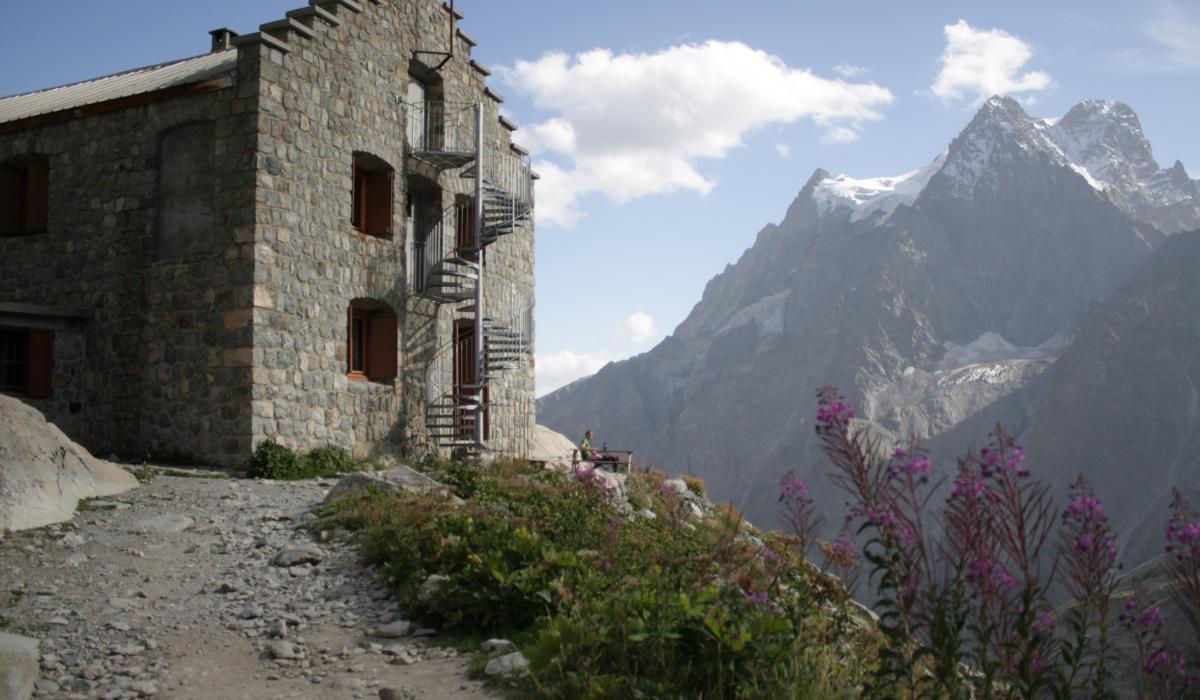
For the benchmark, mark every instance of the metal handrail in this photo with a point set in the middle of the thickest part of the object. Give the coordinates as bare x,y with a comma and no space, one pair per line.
436,246
511,173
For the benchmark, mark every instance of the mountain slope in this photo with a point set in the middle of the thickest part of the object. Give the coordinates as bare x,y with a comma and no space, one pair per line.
862,285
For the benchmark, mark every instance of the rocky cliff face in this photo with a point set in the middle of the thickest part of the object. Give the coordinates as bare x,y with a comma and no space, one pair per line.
929,298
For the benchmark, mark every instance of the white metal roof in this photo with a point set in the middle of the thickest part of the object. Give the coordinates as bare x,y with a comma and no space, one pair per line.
133,82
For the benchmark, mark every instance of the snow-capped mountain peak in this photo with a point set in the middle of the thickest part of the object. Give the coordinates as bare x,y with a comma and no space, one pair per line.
1100,140
1105,138
877,195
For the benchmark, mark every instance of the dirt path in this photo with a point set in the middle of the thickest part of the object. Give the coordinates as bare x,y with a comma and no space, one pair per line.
176,589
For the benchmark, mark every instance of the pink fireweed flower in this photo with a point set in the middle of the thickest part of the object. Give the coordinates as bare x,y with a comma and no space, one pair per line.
755,598
834,412
846,545
919,466
790,487
983,574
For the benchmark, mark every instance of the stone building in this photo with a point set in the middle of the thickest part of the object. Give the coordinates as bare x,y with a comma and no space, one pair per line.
318,233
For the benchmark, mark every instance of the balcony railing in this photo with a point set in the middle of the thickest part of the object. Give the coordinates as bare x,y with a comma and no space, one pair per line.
441,133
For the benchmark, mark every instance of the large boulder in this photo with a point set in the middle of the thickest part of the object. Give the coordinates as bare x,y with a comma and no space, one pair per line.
553,448
401,477
43,474
18,666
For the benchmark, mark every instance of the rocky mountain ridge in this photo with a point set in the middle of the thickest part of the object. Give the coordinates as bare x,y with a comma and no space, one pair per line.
1007,239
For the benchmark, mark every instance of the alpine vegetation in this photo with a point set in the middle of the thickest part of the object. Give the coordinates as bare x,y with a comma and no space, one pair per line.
964,587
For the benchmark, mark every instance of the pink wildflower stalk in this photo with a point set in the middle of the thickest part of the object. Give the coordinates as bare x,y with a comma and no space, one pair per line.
799,512
1183,556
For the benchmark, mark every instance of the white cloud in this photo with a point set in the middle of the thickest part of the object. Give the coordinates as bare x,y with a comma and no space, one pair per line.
783,150
979,63
635,124
1178,35
849,72
639,327
561,368
840,134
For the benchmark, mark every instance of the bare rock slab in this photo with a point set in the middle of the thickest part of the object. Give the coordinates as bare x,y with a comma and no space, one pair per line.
402,477
507,665
18,666
295,556
165,523
43,474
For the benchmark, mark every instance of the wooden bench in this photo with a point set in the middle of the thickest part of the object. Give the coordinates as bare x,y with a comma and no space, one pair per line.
623,461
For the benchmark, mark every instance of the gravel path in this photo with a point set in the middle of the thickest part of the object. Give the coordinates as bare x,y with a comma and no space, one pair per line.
207,588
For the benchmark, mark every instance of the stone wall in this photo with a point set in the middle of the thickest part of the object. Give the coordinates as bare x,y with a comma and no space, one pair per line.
329,96
209,238
151,372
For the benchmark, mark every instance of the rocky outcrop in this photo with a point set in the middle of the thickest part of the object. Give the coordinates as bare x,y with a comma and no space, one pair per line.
43,474
553,448
401,477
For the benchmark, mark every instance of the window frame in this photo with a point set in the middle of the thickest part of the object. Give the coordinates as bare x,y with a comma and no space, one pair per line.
372,196
358,315
38,361
377,345
29,196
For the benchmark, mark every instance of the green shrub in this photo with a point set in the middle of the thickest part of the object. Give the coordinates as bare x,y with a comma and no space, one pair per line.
274,461
604,604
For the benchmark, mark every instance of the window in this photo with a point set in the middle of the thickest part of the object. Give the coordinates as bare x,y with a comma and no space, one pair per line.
371,207
371,341
24,198
26,361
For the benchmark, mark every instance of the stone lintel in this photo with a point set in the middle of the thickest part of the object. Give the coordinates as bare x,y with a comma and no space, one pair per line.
467,38
44,310
316,11
288,24
507,123
518,150
262,38
479,67
493,94
457,14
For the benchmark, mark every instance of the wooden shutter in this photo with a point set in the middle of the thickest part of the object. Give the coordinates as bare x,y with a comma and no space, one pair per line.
464,231
37,197
10,202
379,203
41,363
381,355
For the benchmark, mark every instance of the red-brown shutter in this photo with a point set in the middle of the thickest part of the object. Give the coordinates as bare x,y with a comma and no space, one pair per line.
464,233
10,202
379,203
381,355
41,363
37,198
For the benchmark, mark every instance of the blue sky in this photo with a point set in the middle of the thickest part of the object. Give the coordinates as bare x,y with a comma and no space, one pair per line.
671,132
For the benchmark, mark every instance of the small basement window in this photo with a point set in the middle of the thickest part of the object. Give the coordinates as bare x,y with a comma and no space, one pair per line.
24,197
371,341
371,207
26,361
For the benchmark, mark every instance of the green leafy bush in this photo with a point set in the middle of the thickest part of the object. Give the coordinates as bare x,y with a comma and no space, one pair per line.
274,461
605,603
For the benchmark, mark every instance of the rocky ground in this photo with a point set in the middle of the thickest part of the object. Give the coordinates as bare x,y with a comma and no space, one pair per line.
209,588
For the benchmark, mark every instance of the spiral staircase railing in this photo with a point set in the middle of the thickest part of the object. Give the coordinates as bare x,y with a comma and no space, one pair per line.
448,267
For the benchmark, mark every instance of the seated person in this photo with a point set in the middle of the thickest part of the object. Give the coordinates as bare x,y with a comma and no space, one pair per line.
588,454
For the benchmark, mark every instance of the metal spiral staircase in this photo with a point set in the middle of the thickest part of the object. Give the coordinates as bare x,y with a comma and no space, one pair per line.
449,266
